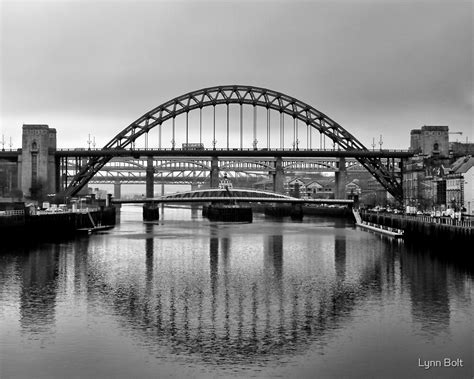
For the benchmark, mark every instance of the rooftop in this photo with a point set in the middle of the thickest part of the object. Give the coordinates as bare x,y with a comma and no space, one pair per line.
435,128
462,165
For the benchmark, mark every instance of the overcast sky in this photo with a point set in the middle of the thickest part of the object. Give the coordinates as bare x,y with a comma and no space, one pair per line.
375,67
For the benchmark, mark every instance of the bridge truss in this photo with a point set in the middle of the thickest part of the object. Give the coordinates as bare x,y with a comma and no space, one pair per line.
186,171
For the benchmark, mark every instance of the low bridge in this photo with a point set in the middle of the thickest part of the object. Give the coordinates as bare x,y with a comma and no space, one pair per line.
222,195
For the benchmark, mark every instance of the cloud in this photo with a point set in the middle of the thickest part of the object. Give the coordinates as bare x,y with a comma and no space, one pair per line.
368,65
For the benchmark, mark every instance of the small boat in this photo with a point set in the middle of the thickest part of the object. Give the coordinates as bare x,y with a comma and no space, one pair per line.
95,227
392,232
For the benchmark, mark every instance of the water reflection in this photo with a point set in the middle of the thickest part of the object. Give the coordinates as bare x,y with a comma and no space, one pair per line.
39,275
340,257
427,281
232,295
235,315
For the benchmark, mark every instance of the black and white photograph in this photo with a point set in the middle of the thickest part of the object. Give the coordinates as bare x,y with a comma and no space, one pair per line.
236,189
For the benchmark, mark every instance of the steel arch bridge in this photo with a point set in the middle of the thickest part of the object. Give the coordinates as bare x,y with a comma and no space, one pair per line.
240,95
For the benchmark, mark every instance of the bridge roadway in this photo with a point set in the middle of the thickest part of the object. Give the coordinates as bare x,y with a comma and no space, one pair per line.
136,153
326,153
207,199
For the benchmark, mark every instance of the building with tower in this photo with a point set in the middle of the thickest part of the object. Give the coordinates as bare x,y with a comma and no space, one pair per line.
37,172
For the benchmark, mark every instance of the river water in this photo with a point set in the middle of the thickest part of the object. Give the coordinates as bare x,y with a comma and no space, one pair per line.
186,297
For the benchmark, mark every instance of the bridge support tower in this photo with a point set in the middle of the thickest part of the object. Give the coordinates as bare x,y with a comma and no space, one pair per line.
214,177
279,176
37,164
341,177
151,211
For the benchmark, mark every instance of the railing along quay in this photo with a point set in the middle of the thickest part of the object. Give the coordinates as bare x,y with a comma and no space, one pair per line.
425,228
10,213
444,220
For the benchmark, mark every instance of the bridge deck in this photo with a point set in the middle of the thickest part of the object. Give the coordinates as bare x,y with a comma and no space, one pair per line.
226,199
232,153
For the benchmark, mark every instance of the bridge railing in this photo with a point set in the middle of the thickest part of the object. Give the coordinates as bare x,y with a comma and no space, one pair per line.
228,149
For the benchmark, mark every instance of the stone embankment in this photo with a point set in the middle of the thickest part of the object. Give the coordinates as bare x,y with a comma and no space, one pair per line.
53,224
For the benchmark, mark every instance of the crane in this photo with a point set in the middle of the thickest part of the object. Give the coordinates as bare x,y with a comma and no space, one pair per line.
460,133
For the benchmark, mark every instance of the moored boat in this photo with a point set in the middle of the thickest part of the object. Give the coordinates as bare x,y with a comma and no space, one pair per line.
386,230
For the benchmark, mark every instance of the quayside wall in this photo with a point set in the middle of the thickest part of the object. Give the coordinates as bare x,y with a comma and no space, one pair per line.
284,210
12,222
426,229
52,225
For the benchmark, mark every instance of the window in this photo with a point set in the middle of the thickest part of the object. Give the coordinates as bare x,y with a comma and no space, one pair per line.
34,169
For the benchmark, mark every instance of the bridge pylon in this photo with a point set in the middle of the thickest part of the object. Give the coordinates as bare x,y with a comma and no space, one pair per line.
340,179
279,176
214,176
151,212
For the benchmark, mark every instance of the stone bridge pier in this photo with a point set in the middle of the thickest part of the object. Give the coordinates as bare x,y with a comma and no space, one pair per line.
214,177
340,179
151,211
278,176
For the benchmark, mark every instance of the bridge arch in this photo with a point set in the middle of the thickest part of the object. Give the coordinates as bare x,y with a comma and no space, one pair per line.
170,163
319,164
261,164
223,193
239,94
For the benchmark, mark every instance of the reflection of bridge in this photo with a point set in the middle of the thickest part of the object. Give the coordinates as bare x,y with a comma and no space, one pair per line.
166,301
236,307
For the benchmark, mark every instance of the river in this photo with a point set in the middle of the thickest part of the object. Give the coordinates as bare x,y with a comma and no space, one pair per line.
186,297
